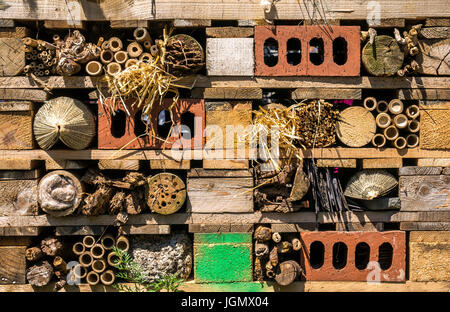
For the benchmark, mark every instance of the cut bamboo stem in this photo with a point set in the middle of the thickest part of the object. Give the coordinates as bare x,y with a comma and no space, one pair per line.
79,271
131,62
99,265
60,264
78,248
92,278
370,103
98,251
123,243
391,133
141,34
412,111
296,244
115,44
113,259
145,57
378,140
382,107
88,241
154,50
401,121
108,277
86,259
414,126
412,140
121,57
113,68
400,143
94,68
396,106
383,120
106,56
276,237
134,49
108,242
147,45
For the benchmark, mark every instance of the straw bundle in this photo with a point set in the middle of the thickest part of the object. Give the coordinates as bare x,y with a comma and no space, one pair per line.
64,119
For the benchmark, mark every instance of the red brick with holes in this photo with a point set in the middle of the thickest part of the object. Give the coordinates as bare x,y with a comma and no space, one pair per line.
351,35
334,268
109,139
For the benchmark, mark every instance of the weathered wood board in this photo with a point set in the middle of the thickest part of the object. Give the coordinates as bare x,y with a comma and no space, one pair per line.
229,32
106,164
229,57
18,193
227,93
12,56
12,264
433,162
434,125
79,230
19,164
220,228
441,32
145,229
329,93
16,120
218,191
14,32
434,58
164,164
65,164
339,163
382,163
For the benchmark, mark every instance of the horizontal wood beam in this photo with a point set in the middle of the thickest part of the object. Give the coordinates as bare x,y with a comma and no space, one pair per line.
217,10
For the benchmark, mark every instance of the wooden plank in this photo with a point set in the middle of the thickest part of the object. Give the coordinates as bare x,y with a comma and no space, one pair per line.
390,22
107,164
360,227
12,56
433,162
220,228
19,164
24,94
65,164
330,94
115,24
79,230
199,81
424,94
230,56
20,175
327,22
64,24
162,164
435,32
14,32
437,21
9,23
19,198
16,119
188,23
202,173
424,192
425,226
225,164
429,237
145,229
412,171
293,227
382,163
217,10
340,163
13,265
21,231
16,241
434,126
230,32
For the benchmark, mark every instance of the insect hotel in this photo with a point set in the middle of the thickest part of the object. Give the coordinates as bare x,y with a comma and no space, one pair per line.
224,145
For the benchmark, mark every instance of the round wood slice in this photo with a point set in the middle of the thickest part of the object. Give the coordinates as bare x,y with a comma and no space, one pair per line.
434,57
356,126
287,272
60,193
12,57
384,58
166,193
40,274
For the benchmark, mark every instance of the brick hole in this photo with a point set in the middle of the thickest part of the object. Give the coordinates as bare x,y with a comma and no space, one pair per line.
294,51
362,256
188,120
340,51
385,252
164,124
139,126
118,123
316,254
270,52
316,51
339,255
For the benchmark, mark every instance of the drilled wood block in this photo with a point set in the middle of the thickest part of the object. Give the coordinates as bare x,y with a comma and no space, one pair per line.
16,120
229,56
212,191
12,264
322,261
327,66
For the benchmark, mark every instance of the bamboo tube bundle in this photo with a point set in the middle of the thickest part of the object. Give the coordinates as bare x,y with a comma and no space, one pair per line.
97,251
369,184
413,126
383,120
382,107
165,193
356,126
94,68
92,278
108,277
64,119
378,140
59,193
41,55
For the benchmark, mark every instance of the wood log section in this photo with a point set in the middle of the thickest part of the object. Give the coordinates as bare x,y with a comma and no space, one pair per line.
52,246
16,119
12,57
214,191
60,193
34,254
165,193
356,126
287,272
12,264
40,274
434,58
434,125
263,234
98,202
384,58
65,119
19,191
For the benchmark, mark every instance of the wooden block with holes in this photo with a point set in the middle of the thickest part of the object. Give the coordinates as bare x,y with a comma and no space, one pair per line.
113,164
434,125
424,189
12,265
429,256
18,191
226,124
218,191
16,120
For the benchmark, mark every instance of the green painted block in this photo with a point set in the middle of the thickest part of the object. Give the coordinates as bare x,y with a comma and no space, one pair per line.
223,257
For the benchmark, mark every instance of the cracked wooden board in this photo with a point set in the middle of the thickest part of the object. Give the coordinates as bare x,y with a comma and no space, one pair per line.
12,56
434,58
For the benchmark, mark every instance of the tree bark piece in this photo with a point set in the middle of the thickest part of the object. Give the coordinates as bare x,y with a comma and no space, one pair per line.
97,203
40,274
356,126
117,203
134,203
51,246
384,58
34,254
